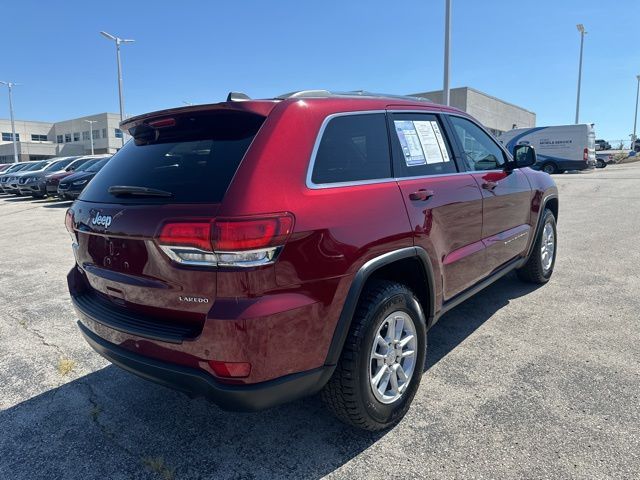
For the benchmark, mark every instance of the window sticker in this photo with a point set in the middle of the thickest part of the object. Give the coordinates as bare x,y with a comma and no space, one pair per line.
441,144
422,142
410,143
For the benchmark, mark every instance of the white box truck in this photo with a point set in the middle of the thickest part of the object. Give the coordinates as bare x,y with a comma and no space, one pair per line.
558,148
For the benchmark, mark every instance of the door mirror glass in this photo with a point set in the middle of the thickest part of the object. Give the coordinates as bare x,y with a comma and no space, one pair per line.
524,156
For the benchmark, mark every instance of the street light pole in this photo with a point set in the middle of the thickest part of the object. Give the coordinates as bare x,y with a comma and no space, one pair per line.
582,33
447,40
635,117
118,42
10,86
91,122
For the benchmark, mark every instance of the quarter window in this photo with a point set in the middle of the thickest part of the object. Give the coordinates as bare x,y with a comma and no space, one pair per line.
480,151
353,148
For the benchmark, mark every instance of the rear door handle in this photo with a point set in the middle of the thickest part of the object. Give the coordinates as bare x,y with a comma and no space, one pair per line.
489,186
421,194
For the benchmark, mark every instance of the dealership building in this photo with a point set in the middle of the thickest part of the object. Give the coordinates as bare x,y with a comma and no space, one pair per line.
41,140
495,114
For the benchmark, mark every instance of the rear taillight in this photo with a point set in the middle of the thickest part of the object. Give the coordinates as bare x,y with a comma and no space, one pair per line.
585,154
191,234
68,222
235,242
249,234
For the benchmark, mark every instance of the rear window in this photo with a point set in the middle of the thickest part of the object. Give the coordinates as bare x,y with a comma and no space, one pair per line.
194,160
353,148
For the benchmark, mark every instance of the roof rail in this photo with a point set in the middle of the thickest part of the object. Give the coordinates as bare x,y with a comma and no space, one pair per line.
237,97
305,93
353,93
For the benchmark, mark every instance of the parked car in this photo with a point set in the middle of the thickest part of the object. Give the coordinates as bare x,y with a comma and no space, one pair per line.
71,187
602,160
15,167
82,163
558,148
603,145
34,183
12,186
257,251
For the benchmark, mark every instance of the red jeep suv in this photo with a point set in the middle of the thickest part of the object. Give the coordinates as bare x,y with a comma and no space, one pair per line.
257,251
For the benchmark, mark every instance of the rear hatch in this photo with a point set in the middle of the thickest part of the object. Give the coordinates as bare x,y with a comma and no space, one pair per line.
175,169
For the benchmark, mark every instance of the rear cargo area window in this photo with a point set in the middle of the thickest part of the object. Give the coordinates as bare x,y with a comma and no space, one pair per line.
352,148
194,159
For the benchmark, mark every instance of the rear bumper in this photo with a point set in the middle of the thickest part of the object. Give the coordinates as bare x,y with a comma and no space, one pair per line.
196,383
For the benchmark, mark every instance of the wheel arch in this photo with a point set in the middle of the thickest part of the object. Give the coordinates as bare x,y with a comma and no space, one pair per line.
410,266
551,203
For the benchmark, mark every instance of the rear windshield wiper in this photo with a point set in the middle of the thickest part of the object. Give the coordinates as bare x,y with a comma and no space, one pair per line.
119,190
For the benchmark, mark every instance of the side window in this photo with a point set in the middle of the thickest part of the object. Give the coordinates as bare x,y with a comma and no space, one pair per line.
352,148
419,146
480,151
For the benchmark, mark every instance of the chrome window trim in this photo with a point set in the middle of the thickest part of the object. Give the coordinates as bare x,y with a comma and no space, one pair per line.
315,186
321,186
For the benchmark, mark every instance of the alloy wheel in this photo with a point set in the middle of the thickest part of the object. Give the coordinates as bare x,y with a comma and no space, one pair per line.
548,246
392,360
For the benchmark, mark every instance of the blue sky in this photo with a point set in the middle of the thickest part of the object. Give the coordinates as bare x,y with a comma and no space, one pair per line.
523,52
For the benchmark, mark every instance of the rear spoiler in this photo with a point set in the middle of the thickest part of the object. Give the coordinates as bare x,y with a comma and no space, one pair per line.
257,107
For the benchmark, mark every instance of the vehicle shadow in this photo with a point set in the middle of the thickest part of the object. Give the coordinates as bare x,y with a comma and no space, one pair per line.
110,424
457,324
57,204
17,199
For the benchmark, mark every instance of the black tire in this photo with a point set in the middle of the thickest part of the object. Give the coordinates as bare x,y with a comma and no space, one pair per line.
348,394
549,168
533,271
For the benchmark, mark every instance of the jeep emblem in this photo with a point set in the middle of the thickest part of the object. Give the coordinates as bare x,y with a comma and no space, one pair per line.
104,220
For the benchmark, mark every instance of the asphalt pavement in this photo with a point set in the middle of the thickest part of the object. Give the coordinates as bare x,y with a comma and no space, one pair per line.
520,382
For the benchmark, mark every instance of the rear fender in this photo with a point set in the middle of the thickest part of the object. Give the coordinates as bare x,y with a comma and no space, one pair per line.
359,281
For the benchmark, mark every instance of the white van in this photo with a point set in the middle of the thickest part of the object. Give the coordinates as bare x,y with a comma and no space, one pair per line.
558,148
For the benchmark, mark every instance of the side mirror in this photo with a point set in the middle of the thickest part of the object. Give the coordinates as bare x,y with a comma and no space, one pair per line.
523,156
